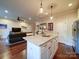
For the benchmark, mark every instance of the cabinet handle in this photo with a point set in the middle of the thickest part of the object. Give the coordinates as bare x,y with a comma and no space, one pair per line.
49,47
56,40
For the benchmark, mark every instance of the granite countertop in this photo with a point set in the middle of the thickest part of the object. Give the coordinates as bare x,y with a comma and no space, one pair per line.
39,40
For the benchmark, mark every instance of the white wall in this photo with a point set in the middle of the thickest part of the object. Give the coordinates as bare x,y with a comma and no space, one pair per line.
63,26
78,13
11,23
4,32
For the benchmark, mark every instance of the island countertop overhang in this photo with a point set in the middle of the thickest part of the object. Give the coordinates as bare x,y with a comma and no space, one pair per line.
40,40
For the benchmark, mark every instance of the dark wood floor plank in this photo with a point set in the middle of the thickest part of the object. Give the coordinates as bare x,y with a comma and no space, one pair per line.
65,52
17,51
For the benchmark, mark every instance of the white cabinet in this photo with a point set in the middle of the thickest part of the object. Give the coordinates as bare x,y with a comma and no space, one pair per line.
45,51
33,51
49,49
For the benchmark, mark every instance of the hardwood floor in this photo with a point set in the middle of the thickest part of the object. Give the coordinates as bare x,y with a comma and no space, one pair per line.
65,52
19,52
14,52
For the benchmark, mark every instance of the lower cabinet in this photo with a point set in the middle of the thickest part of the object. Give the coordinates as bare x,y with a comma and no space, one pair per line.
49,49
45,51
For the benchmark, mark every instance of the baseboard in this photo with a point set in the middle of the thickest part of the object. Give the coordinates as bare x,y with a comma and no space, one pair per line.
70,44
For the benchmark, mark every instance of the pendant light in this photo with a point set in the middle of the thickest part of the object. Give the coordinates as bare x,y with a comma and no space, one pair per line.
41,7
20,19
51,17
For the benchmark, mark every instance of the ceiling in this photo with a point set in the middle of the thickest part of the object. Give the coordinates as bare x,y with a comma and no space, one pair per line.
30,8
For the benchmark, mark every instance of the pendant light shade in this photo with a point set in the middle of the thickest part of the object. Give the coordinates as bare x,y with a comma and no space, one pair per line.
51,17
41,7
41,10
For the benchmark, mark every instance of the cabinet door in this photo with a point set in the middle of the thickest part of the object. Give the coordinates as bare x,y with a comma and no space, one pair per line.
44,55
49,49
55,46
44,51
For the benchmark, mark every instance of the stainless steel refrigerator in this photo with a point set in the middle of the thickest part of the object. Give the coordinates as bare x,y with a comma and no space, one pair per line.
76,36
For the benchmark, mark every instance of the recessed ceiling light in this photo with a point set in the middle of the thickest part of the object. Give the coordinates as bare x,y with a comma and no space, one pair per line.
6,11
70,4
5,17
30,18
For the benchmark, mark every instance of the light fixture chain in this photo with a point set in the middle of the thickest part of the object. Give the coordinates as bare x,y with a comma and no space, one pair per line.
41,3
51,9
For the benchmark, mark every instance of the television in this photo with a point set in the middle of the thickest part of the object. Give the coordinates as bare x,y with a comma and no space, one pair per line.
3,26
16,29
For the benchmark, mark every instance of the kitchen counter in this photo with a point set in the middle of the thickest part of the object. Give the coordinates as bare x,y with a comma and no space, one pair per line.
39,40
41,46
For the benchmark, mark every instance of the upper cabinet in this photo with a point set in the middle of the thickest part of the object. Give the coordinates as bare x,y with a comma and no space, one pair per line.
78,13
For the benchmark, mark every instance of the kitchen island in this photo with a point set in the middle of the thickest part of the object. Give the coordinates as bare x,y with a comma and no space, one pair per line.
41,47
